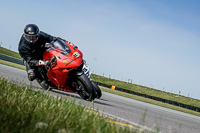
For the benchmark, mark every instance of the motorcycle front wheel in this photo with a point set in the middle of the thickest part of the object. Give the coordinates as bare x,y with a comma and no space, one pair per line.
97,90
85,88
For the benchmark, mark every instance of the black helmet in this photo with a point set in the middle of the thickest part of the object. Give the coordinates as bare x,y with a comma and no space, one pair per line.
31,33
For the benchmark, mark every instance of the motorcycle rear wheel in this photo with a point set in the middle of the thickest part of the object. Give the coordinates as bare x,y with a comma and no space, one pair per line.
85,87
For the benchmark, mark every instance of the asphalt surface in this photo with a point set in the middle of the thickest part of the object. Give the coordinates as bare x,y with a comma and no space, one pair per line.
124,109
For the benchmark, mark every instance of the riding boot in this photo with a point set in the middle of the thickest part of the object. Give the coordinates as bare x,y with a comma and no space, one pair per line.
30,71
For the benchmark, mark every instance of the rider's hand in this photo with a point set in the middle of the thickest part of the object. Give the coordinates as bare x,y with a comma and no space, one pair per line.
41,63
44,63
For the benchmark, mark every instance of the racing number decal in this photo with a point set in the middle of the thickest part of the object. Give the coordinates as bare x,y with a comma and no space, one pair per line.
76,54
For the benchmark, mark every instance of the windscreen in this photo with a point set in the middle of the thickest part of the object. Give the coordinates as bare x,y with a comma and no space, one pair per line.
62,46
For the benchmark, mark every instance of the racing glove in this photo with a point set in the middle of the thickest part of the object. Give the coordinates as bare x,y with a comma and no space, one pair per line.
44,63
35,63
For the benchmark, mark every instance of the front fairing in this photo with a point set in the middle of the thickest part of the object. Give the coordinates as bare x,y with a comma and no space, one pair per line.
66,55
71,60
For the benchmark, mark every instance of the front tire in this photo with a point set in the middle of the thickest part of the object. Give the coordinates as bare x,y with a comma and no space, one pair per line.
97,90
85,88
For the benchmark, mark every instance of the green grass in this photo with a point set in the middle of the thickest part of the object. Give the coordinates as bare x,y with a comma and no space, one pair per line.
9,53
21,108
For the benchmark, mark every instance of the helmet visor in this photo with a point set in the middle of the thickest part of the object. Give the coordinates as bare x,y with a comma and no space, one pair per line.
31,38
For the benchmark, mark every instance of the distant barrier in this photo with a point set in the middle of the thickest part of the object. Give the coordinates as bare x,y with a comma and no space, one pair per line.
194,108
11,59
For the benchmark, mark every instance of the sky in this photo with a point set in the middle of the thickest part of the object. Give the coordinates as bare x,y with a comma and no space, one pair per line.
154,43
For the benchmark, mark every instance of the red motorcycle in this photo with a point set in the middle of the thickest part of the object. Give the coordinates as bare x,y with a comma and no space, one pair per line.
65,71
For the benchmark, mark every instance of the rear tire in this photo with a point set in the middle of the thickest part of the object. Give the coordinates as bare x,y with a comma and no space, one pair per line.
86,90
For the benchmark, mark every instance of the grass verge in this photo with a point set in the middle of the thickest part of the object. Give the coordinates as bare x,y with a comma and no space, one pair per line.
147,90
21,109
9,53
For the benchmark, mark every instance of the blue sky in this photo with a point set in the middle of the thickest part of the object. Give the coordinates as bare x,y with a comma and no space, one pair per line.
154,43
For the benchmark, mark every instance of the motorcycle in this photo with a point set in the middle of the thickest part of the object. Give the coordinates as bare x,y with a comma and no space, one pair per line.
67,70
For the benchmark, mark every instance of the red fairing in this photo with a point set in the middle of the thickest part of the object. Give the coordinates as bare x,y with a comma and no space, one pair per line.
68,58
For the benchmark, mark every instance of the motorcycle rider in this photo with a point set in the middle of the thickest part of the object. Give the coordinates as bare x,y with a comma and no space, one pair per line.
31,48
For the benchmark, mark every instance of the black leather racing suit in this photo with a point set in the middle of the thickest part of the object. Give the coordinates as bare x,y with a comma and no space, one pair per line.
32,53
